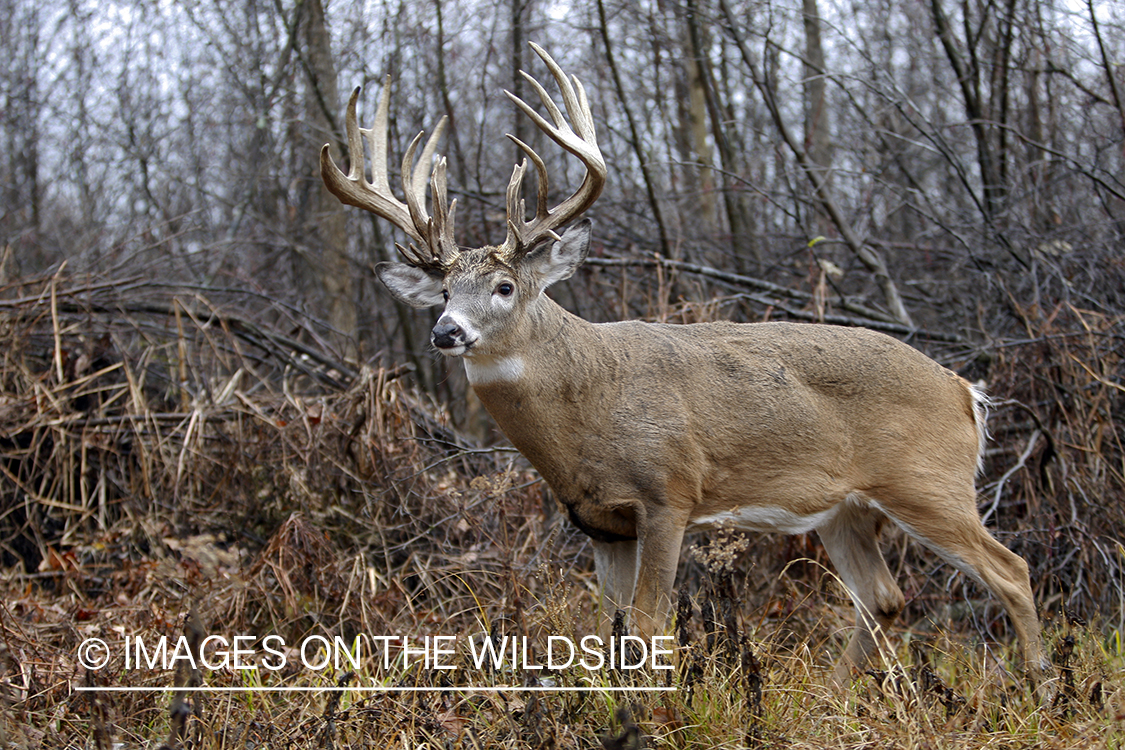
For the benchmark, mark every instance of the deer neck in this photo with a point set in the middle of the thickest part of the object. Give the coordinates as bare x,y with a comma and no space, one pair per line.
546,340
546,383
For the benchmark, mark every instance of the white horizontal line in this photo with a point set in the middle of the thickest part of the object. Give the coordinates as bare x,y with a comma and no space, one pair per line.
336,689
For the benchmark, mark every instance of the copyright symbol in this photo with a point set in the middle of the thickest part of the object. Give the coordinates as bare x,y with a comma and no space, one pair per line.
93,653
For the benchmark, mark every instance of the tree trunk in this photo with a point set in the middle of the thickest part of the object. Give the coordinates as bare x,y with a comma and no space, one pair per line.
695,113
866,254
332,267
818,142
738,215
967,70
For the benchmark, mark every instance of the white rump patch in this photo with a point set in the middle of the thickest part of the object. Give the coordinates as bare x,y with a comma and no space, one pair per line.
494,369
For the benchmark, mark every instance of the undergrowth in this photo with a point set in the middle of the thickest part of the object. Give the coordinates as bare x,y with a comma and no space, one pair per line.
169,470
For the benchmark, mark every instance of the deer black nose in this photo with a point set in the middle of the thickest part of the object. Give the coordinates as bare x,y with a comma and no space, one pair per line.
447,335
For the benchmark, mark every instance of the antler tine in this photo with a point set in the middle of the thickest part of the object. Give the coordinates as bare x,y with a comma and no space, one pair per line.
438,231
353,188
435,248
415,193
377,140
516,207
579,139
443,218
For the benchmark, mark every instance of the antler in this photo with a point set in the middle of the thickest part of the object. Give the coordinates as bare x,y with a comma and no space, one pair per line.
580,141
436,249
433,248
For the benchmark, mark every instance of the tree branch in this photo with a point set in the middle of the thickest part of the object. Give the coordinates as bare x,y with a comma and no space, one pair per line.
634,137
870,258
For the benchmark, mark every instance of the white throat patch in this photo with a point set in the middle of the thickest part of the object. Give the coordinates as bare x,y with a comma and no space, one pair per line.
493,369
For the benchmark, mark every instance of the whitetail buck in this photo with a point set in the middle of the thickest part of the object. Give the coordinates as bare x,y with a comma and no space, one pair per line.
645,431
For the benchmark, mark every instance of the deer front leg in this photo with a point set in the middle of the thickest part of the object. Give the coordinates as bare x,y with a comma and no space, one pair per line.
616,565
660,536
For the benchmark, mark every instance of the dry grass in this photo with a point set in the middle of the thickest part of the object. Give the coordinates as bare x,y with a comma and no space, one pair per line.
172,470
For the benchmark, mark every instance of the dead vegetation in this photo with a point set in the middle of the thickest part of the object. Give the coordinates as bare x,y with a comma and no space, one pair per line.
168,468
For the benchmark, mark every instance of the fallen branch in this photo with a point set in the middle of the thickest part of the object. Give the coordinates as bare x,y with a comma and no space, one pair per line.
871,318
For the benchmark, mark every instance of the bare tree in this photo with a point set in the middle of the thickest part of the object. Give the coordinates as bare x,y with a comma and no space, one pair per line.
961,140
20,115
984,100
634,133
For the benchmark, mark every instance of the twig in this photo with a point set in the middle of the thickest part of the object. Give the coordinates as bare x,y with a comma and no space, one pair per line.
866,254
844,320
1018,465
186,677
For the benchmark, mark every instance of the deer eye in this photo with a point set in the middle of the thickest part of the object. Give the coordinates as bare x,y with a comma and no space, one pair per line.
445,294
505,289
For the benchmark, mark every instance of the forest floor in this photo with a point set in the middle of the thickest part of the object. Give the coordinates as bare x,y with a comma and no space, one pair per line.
201,551
301,644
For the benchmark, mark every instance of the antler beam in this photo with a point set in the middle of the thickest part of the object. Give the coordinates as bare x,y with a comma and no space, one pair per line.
433,247
580,140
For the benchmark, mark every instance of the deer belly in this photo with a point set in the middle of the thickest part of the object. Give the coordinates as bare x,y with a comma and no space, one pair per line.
764,518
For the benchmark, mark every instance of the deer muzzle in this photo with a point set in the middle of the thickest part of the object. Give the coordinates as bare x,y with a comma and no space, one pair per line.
449,337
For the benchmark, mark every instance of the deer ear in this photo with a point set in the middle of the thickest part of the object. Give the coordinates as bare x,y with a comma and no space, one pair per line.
409,285
555,261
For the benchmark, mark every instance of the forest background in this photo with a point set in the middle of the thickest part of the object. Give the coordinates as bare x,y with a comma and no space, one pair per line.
174,279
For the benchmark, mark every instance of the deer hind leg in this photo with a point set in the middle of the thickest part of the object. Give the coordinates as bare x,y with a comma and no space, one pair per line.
953,530
616,565
851,539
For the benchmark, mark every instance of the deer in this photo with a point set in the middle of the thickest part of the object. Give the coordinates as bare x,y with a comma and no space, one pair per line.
646,431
